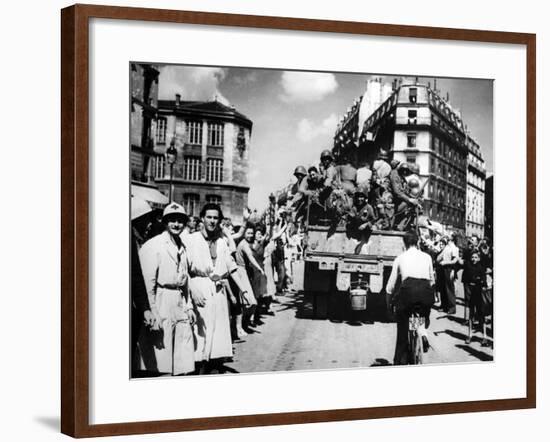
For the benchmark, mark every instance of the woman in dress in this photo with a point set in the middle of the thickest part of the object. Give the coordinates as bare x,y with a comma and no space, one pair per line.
259,279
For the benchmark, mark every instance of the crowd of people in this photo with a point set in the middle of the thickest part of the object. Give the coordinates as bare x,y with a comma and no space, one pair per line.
198,284
425,274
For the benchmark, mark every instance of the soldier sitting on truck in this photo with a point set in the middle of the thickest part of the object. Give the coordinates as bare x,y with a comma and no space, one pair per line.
347,175
329,174
405,204
309,189
300,174
361,220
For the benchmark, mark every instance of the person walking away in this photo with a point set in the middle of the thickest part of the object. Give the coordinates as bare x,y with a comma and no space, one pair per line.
164,262
446,261
411,283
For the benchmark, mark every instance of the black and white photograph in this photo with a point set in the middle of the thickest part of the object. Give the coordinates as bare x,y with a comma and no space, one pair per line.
289,220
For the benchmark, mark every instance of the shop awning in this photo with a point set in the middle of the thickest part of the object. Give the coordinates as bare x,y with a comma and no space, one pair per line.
156,199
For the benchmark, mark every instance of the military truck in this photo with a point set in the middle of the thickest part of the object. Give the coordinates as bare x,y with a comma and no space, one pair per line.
344,284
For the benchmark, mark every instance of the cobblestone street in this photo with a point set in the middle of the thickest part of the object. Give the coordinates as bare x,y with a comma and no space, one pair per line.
292,340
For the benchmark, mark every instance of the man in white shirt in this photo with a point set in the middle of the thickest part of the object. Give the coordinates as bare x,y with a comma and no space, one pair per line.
411,281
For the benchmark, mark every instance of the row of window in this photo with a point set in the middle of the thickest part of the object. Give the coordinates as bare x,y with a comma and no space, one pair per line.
446,194
191,202
379,113
447,151
472,159
445,215
192,168
444,108
193,130
448,172
445,127
476,180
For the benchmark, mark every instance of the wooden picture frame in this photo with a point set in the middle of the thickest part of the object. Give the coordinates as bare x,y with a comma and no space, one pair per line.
75,219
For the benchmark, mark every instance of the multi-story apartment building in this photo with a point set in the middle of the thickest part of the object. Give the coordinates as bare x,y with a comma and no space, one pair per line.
415,124
143,114
213,150
475,193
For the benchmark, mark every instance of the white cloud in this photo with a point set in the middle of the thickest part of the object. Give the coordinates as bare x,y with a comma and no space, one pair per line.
307,86
308,130
244,80
193,83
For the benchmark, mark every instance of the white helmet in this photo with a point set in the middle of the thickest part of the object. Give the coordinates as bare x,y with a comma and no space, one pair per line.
174,208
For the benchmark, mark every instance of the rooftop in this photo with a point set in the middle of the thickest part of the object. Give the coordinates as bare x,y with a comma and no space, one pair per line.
212,108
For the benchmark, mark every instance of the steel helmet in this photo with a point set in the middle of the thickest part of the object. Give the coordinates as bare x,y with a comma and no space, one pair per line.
300,170
405,167
383,154
326,154
413,181
174,209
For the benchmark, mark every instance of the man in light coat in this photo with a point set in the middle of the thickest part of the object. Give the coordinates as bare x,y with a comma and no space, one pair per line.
211,264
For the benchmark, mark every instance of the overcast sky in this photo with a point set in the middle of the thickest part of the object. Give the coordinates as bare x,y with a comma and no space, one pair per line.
294,114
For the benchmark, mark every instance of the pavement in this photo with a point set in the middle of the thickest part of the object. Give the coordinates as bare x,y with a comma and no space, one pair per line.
293,339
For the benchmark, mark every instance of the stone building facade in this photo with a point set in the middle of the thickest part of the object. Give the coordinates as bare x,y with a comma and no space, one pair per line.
475,193
213,145
416,125
489,220
143,113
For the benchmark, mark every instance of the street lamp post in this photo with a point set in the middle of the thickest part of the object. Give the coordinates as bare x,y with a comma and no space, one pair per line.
171,157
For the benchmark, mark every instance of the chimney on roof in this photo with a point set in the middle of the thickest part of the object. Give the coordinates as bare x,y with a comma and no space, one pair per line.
178,99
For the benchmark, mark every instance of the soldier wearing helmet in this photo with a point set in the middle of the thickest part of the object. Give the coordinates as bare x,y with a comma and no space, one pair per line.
300,172
361,219
381,168
400,190
328,169
308,187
